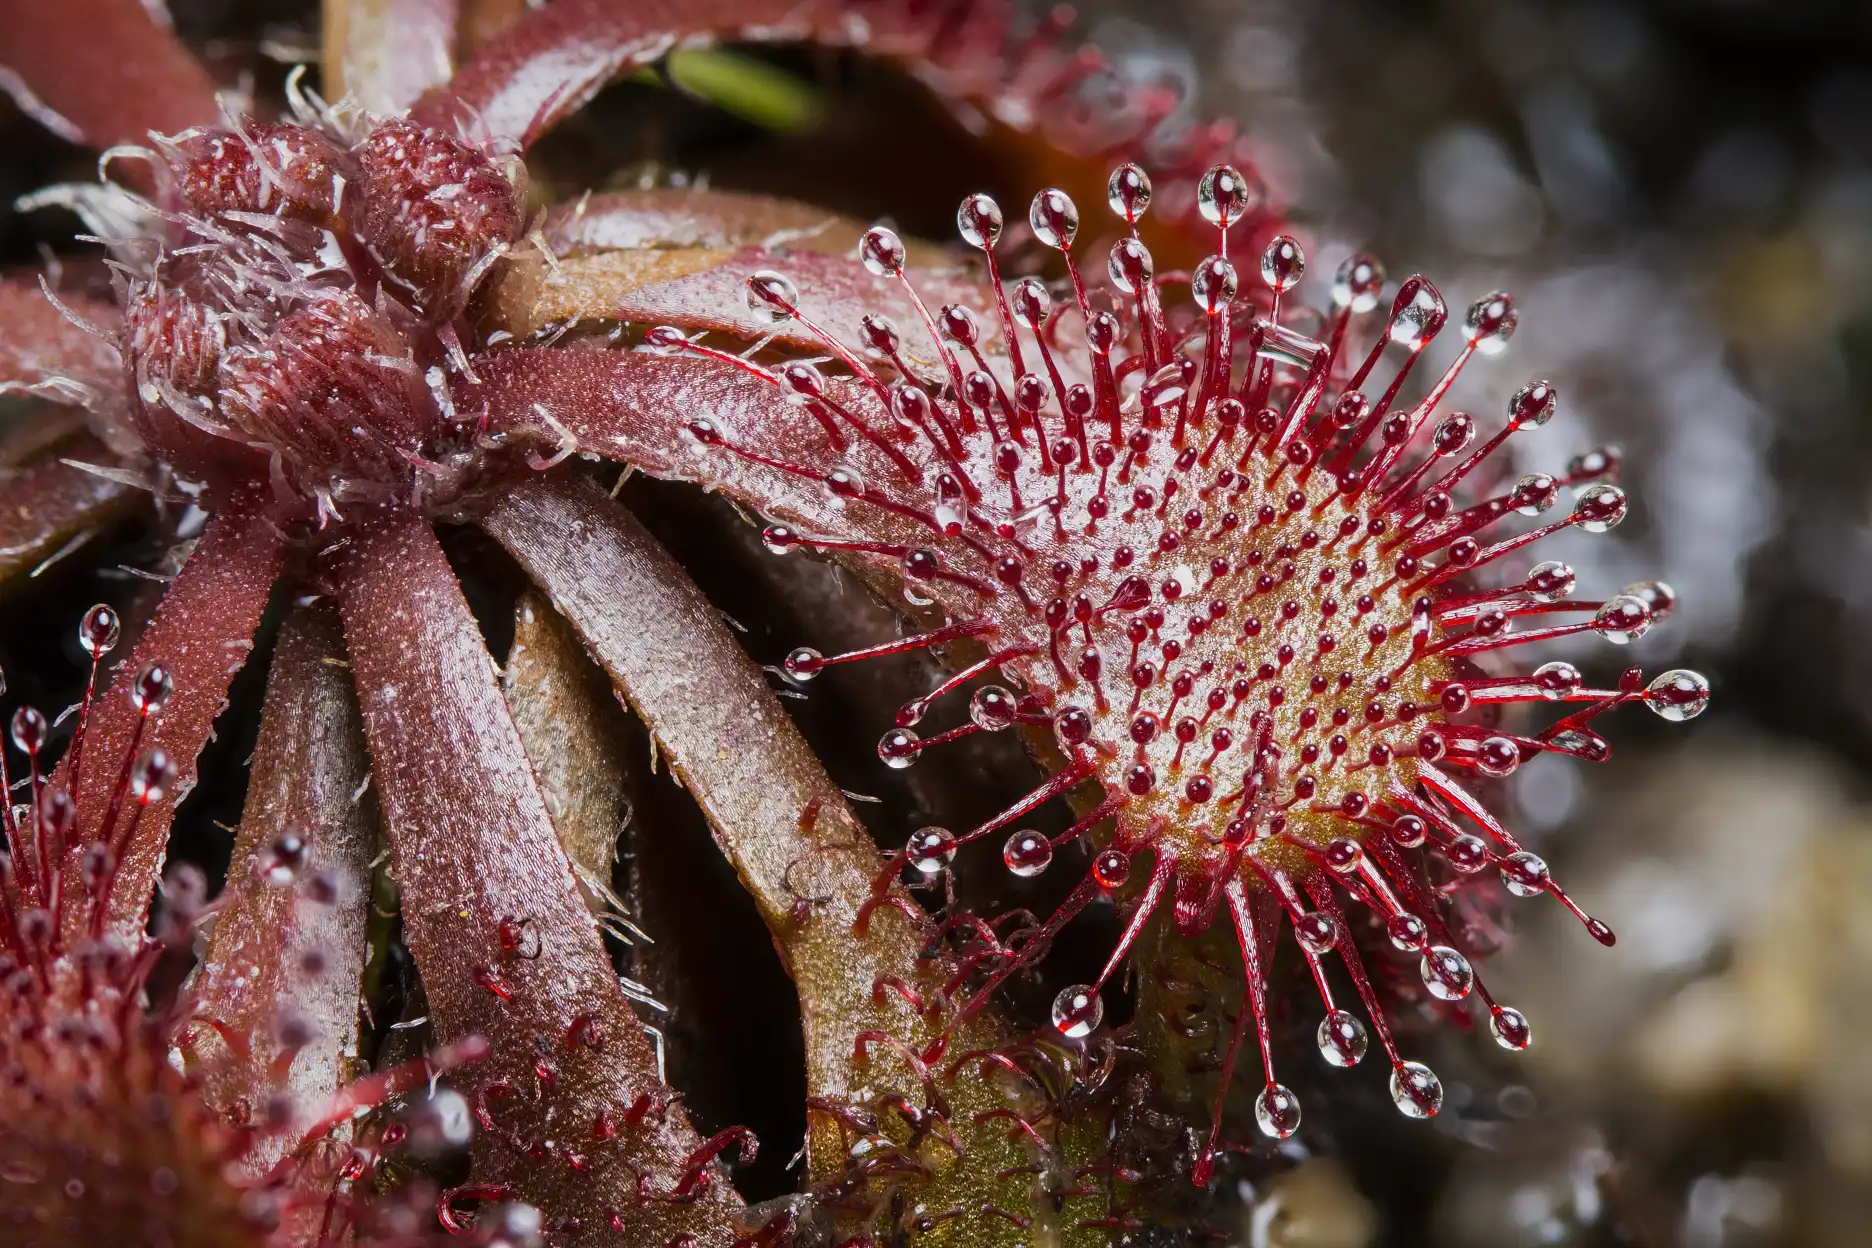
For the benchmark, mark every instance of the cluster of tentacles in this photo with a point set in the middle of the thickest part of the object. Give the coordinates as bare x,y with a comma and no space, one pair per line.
1190,539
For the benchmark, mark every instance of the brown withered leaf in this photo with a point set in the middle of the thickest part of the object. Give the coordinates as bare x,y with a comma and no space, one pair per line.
574,731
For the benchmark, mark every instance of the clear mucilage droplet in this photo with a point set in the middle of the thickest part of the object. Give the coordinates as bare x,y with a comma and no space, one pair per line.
1446,973
1224,196
929,850
1416,1090
1027,853
99,631
1128,192
1491,322
979,221
881,251
1054,218
1318,933
1283,264
1358,283
1277,1112
1524,874
1077,1011
1342,1039
1678,694
771,297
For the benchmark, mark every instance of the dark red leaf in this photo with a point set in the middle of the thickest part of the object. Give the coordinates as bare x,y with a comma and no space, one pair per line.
288,948
549,63
102,72
505,944
49,503
704,289
637,407
202,633
39,343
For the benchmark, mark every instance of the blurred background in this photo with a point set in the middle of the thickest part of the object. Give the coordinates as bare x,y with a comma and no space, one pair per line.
1679,194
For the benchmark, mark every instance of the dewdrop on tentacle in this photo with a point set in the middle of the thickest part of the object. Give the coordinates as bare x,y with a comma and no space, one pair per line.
1262,598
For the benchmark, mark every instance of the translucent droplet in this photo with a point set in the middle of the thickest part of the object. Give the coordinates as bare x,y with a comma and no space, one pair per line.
993,708
882,251
1130,265
1490,322
1557,679
1317,932
1027,854
1417,313
1550,581
779,538
666,340
978,221
151,776
1409,831
1416,1090
1407,931
1031,303
804,663
1128,192
898,748
1453,434
29,729
151,689
1510,1028
1213,284
1111,868
1498,756
1283,264
1533,405
771,297
1077,1011
803,379
844,482
1342,1039
1678,694
1467,854
1446,973
1168,383
1224,196
1358,283
1524,874
99,631
1599,507
1622,620
1657,595
1535,493
1054,218
1343,855
929,850
1073,726
1277,1112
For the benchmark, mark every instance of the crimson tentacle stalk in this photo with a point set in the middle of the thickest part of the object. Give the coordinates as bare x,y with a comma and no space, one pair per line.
1222,561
